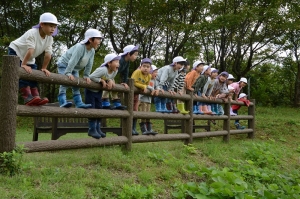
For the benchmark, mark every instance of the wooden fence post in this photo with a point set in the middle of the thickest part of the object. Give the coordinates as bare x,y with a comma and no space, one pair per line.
189,123
127,122
9,102
226,123
251,123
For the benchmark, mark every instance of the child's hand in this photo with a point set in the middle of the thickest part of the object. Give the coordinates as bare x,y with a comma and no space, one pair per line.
26,68
203,95
172,92
191,89
110,84
88,80
47,73
125,85
155,92
180,92
103,82
196,95
145,90
71,77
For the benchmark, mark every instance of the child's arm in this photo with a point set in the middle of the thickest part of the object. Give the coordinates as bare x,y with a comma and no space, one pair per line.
76,55
188,80
29,53
47,59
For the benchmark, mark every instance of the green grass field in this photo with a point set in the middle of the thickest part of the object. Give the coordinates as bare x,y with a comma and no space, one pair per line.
264,167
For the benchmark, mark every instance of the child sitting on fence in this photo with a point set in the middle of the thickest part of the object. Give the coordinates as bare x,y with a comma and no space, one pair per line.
75,59
30,45
201,108
167,73
235,108
129,54
220,91
105,75
142,80
208,87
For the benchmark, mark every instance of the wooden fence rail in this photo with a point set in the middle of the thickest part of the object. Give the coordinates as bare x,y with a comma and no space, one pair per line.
12,73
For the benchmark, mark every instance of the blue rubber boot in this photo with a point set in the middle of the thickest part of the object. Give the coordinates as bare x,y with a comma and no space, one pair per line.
106,104
62,99
163,105
98,128
78,102
92,129
157,104
134,132
118,105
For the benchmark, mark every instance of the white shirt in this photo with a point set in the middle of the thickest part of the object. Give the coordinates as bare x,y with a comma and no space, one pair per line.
32,39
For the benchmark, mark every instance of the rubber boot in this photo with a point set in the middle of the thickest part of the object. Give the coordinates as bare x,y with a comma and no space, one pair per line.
205,110
29,100
118,105
215,109
163,103
78,102
62,99
232,113
98,128
35,93
149,128
106,104
238,126
209,108
144,128
180,107
174,107
134,132
169,107
92,129
157,104
196,109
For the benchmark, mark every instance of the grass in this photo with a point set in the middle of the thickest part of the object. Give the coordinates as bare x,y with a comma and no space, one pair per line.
150,170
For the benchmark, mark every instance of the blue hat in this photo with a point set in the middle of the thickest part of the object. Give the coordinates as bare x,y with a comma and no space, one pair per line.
224,73
146,60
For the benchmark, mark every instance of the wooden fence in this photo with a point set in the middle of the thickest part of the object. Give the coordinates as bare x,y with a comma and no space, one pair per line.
9,108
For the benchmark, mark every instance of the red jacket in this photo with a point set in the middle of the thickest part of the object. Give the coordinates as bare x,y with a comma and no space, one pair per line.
237,107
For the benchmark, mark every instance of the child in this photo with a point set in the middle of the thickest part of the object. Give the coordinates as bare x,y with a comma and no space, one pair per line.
167,73
179,88
30,45
105,75
220,90
231,91
142,78
129,54
208,87
238,86
235,108
75,59
198,86
230,79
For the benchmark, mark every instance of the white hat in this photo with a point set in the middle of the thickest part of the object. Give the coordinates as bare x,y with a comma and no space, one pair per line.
196,63
153,68
48,17
90,33
129,49
230,76
205,68
177,59
109,58
243,79
242,95
230,87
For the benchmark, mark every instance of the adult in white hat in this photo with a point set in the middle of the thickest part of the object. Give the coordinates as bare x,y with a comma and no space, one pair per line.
78,57
30,45
238,86
167,73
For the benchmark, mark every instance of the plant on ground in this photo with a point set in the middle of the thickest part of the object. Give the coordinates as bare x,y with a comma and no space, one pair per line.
136,191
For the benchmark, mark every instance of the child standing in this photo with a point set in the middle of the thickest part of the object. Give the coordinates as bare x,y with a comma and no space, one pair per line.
198,86
167,73
208,87
220,90
105,75
129,54
75,59
30,45
235,108
142,79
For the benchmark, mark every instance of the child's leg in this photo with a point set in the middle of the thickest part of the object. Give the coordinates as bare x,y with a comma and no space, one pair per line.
148,123
117,101
77,96
62,98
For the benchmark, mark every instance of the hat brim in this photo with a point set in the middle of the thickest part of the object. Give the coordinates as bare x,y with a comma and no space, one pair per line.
133,49
205,70
53,34
116,58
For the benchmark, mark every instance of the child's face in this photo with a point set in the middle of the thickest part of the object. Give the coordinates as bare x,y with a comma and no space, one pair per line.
133,57
242,84
208,71
48,28
213,75
199,68
145,68
114,65
177,66
187,68
222,78
95,44
229,81
154,74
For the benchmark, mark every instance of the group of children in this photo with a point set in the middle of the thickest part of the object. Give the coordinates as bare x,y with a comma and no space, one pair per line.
203,80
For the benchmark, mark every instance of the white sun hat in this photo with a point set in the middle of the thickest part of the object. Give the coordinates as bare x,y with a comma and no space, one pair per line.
243,79
178,59
153,68
48,17
230,76
242,95
109,58
129,49
205,68
196,63
90,33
